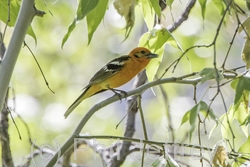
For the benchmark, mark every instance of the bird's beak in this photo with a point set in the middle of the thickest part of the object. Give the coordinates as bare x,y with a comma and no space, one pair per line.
152,55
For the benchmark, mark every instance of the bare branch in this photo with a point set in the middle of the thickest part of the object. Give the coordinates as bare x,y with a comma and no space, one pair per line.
183,17
25,16
4,137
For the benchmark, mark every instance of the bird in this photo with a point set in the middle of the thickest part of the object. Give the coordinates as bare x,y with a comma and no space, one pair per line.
114,74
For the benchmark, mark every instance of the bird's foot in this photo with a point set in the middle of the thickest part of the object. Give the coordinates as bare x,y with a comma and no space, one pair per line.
125,94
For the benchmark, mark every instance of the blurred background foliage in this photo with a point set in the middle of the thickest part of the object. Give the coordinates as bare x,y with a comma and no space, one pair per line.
69,69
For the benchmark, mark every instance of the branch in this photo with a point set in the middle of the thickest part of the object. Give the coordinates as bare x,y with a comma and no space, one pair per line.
25,16
138,91
163,144
4,137
183,17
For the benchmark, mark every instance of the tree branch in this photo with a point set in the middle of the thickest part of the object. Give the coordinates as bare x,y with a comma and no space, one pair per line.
4,137
138,91
25,16
183,17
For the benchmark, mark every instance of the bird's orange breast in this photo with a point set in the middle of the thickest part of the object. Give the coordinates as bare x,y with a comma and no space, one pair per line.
129,71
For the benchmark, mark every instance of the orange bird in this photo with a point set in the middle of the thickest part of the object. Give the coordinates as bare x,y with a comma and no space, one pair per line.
114,74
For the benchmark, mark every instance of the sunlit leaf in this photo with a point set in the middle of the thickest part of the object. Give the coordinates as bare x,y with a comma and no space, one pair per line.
234,83
186,117
169,3
246,121
95,17
246,53
154,64
159,162
216,125
244,148
155,40
70,29
209,114
239,115
242,90
245,25
203,7
84,7
191,115
209,73
168,162
219,5
156,7
148,13
244,152
12,14
157,37
171,162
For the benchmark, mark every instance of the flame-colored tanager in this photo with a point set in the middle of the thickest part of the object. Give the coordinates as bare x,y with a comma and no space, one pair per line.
114,74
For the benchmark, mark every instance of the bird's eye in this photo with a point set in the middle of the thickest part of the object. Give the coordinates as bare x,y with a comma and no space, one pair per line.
143,52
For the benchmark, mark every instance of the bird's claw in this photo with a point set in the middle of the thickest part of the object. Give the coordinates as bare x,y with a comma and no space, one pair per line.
125,94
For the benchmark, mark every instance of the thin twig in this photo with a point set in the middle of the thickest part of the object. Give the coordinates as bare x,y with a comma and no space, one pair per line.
143,127
38,65
158,143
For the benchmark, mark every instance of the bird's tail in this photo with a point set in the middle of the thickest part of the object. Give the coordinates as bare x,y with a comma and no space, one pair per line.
76,102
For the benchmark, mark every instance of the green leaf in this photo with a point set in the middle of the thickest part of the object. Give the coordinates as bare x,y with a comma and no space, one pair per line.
209,73
148,13
244,148
161,161
209,114
157,37
246,121
201,106
239,115
13,13
245,25
156,7
192,114
158,162
234,83
95,17
215,126
84,7
243,84
155,41
219,5
243,152
246,51
70,29
248,4
186,117
169,3
245,54
203,8
171,162
154,64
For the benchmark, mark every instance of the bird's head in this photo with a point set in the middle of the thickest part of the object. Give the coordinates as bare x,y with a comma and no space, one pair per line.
141,53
